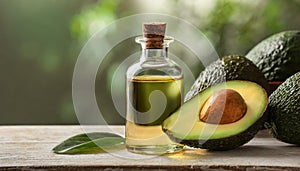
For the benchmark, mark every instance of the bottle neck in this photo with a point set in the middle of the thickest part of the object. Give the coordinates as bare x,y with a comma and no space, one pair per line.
154,50
154,54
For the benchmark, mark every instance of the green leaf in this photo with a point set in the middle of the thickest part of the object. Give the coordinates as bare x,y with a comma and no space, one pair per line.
91,143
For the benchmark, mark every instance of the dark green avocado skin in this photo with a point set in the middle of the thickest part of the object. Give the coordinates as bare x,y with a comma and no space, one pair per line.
232,67
223,144
278,56
284,107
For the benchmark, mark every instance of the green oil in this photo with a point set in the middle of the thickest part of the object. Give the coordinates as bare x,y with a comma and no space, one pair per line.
151,100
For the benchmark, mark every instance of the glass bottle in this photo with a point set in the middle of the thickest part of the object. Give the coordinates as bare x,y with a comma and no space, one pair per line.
154,90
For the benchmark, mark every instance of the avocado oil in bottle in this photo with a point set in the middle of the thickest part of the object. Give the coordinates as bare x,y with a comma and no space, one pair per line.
154,90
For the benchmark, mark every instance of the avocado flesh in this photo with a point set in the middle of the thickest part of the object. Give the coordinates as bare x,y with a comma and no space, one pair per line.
185,126
278,55
284,109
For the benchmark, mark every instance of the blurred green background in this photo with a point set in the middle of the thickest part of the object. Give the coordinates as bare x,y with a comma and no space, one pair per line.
40,41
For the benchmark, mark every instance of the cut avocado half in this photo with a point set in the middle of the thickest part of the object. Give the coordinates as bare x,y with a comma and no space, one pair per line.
185,126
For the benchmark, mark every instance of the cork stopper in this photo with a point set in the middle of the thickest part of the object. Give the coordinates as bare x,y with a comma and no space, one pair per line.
154,34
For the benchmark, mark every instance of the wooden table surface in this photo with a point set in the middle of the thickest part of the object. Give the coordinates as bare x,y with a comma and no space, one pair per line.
29,148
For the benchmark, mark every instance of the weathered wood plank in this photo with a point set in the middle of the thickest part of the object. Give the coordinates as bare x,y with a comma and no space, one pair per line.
29,147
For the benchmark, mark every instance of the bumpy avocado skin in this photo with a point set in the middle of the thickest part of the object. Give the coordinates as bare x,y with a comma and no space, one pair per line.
227,143
232,67
278,56
284,106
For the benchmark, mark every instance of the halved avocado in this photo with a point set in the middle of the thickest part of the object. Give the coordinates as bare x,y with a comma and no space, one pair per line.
185,126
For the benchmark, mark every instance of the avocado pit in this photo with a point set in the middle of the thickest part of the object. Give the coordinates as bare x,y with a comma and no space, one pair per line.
223,107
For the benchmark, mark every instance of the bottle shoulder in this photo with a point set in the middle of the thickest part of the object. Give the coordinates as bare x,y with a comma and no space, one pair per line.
167,68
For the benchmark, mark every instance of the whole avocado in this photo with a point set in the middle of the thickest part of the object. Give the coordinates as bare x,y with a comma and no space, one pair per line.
277,56
233,67
284,108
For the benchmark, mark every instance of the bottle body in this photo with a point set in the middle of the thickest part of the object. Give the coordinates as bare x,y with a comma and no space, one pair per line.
154,90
